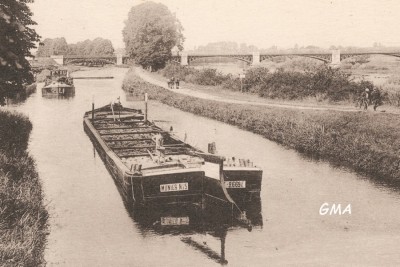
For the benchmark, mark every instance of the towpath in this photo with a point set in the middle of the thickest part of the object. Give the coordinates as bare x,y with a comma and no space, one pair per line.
193,90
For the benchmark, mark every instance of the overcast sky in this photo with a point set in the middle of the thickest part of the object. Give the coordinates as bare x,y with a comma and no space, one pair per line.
259,22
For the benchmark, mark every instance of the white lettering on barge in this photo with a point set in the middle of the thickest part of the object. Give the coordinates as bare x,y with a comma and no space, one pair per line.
174,187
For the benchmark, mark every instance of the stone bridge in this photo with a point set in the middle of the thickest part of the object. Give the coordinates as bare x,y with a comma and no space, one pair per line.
333,58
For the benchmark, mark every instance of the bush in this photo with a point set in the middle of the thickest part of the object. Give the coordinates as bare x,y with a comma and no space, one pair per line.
42,76
325,84
202,77
322,83
233,83
23,217
14,131
210,77
177,71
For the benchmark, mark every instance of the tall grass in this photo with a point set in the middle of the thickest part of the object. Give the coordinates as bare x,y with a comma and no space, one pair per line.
366,142
391,89
23,217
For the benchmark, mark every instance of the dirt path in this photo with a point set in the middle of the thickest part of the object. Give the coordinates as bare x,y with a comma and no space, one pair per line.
148,77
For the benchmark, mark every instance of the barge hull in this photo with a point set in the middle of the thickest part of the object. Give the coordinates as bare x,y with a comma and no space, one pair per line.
154,189
243,185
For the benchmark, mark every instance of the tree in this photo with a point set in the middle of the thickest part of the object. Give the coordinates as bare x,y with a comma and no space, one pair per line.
49,47
45,48
16,41
59,46
102,47
150,33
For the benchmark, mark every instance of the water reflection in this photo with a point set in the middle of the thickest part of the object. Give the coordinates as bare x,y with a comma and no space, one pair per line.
199,227
60,97
16,99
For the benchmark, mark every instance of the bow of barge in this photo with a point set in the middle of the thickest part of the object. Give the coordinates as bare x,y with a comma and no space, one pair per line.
145,161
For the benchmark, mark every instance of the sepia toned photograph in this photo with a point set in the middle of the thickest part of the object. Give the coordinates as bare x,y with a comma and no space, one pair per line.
173,133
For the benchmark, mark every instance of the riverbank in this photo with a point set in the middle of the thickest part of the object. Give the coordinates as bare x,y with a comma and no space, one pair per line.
224,95
364,141
23,217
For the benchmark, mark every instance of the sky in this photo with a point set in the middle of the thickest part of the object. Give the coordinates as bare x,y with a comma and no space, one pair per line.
262,23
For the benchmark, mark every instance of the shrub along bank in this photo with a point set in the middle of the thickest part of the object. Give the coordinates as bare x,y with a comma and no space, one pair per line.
23,217
366,142
323,83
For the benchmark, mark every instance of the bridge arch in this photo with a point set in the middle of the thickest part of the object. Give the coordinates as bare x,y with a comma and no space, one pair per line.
346,56
323,58
93,61
244,58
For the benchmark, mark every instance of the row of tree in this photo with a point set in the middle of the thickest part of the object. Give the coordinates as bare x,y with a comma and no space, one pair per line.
59,46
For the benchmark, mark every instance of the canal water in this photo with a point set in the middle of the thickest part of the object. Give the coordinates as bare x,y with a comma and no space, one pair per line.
90,226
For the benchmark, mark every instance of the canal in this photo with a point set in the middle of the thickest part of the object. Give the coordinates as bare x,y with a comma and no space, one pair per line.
90,226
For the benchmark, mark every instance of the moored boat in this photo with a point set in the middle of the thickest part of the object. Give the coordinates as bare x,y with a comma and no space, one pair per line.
147,163
59,84
151,165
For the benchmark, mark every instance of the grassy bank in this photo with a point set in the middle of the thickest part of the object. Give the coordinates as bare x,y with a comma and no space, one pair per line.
23,217
364,141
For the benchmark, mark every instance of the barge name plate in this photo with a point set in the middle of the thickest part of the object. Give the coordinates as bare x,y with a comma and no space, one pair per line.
235,184
174,187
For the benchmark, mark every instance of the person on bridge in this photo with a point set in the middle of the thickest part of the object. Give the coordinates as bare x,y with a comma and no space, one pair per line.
177,83
172,83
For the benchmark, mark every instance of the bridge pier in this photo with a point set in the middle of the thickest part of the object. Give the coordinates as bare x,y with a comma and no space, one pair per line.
256,58
335,58
59,59
119,59
184,59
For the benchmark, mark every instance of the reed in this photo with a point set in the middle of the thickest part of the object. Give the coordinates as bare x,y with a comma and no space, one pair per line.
23,217
366,142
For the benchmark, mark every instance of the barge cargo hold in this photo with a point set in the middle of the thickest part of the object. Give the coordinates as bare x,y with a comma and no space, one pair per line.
151,165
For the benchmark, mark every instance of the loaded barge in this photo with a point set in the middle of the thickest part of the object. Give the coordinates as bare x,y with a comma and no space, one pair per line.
152,166
59,83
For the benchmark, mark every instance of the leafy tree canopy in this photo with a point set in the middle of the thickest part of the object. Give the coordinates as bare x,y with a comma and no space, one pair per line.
49,47
16,41
59,46
150,33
